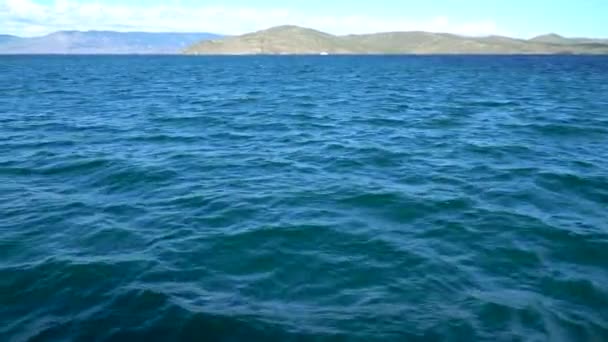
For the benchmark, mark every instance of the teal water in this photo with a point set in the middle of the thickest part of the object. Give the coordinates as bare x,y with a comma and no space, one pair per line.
304,198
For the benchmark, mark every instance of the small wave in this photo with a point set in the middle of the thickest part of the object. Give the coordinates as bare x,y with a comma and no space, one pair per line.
75,167
567,130
493,104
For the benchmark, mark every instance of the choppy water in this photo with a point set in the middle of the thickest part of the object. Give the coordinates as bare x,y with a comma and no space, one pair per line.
304,198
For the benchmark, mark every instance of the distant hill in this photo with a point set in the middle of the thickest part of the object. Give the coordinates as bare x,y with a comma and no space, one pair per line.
553,38
277,40
5,38
102,42
298,40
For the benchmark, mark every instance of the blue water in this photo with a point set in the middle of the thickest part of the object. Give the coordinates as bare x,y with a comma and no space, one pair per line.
304,198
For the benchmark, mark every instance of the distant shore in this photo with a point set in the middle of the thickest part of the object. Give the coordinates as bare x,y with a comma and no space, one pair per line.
294,40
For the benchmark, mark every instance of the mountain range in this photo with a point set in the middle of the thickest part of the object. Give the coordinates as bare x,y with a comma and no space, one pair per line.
290,39
102,42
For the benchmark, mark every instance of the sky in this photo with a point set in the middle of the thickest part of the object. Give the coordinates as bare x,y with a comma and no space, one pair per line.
517,18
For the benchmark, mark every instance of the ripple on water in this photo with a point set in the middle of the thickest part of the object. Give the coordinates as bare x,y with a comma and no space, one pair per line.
353,198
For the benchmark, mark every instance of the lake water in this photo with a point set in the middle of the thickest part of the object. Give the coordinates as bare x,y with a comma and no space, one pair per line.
303,198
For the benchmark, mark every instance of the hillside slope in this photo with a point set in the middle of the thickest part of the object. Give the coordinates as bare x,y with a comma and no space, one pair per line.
299,40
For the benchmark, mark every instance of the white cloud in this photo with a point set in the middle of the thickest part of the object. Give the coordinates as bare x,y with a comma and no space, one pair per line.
27,17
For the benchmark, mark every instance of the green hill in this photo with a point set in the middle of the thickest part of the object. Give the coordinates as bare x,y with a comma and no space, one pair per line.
299,40
277,40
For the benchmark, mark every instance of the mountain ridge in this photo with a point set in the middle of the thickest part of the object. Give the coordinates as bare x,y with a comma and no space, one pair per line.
102,42
554,38
291,39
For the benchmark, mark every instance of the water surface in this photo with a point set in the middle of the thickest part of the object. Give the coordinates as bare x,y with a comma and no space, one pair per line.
304,198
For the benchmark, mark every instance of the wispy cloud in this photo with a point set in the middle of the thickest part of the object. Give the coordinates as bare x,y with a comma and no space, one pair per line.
29,18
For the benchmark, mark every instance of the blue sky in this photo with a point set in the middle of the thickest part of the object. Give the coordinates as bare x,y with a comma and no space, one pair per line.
520,18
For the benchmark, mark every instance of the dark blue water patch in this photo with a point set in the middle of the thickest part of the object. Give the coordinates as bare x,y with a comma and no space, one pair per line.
302,198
